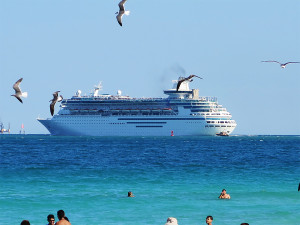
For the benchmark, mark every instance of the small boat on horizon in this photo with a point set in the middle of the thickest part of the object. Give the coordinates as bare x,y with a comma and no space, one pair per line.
222,133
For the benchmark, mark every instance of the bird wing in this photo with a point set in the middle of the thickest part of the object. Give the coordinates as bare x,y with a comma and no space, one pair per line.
17,97
195,76
290,62
179,83
55,95
119,17
52,107
271,61
121,5
16,86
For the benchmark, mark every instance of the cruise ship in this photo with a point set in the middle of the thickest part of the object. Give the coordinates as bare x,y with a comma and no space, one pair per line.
182,113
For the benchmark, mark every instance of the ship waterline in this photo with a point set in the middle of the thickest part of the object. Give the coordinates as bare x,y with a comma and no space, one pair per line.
182,113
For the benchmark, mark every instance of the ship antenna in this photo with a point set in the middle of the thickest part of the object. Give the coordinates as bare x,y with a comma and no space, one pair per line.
97,88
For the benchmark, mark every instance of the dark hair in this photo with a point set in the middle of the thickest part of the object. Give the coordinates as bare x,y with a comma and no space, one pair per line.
67,219
60,214
244,223
210,217
25,222
49,217
223,190
129,193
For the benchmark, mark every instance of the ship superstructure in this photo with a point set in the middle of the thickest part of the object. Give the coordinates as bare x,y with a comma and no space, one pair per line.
183,112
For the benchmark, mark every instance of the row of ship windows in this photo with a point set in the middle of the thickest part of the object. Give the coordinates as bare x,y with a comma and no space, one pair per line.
218,126
83,122
97,121
193,122
220,121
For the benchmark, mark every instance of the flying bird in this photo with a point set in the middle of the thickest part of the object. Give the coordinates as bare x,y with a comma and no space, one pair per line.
18,93
121,11
283,65
55,99
189,78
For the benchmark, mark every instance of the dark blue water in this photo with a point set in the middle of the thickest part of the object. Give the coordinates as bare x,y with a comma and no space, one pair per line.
171,176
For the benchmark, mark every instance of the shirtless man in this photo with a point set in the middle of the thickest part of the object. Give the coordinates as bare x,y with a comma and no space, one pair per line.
224,194
61,217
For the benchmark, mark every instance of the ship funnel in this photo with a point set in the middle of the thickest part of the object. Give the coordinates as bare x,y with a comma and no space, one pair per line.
119,92
184,86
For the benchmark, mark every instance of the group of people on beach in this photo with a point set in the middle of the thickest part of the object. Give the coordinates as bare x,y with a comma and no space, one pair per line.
63,220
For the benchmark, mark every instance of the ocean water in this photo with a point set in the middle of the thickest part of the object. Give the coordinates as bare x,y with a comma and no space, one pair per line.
182,177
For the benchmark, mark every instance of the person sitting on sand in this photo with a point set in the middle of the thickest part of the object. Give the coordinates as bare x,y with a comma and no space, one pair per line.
25,222
50,219
224,195
209,220
130,194
61,217
172,221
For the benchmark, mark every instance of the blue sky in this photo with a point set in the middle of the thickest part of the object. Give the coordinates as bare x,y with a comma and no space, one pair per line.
68,45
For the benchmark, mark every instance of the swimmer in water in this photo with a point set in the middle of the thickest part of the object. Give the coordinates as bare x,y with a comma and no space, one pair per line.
50,219
209,220
224,195
130,194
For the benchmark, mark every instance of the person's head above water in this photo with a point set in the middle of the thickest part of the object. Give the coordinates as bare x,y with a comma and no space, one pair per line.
50,219
209,219
130,194
25,222
60,214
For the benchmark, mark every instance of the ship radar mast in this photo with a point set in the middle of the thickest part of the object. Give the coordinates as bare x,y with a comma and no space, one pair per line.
78,93
97,88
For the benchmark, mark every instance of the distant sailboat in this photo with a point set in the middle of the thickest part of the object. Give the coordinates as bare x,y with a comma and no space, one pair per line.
22,131
4,130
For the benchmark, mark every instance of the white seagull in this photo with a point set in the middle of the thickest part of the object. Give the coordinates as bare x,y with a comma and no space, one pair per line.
121,11
18,93
283,65
187,78
55,99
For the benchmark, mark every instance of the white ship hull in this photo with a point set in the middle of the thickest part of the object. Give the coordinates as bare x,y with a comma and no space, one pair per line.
183,113
96,125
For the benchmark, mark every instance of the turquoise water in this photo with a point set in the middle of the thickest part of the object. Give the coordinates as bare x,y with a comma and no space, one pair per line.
170,176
